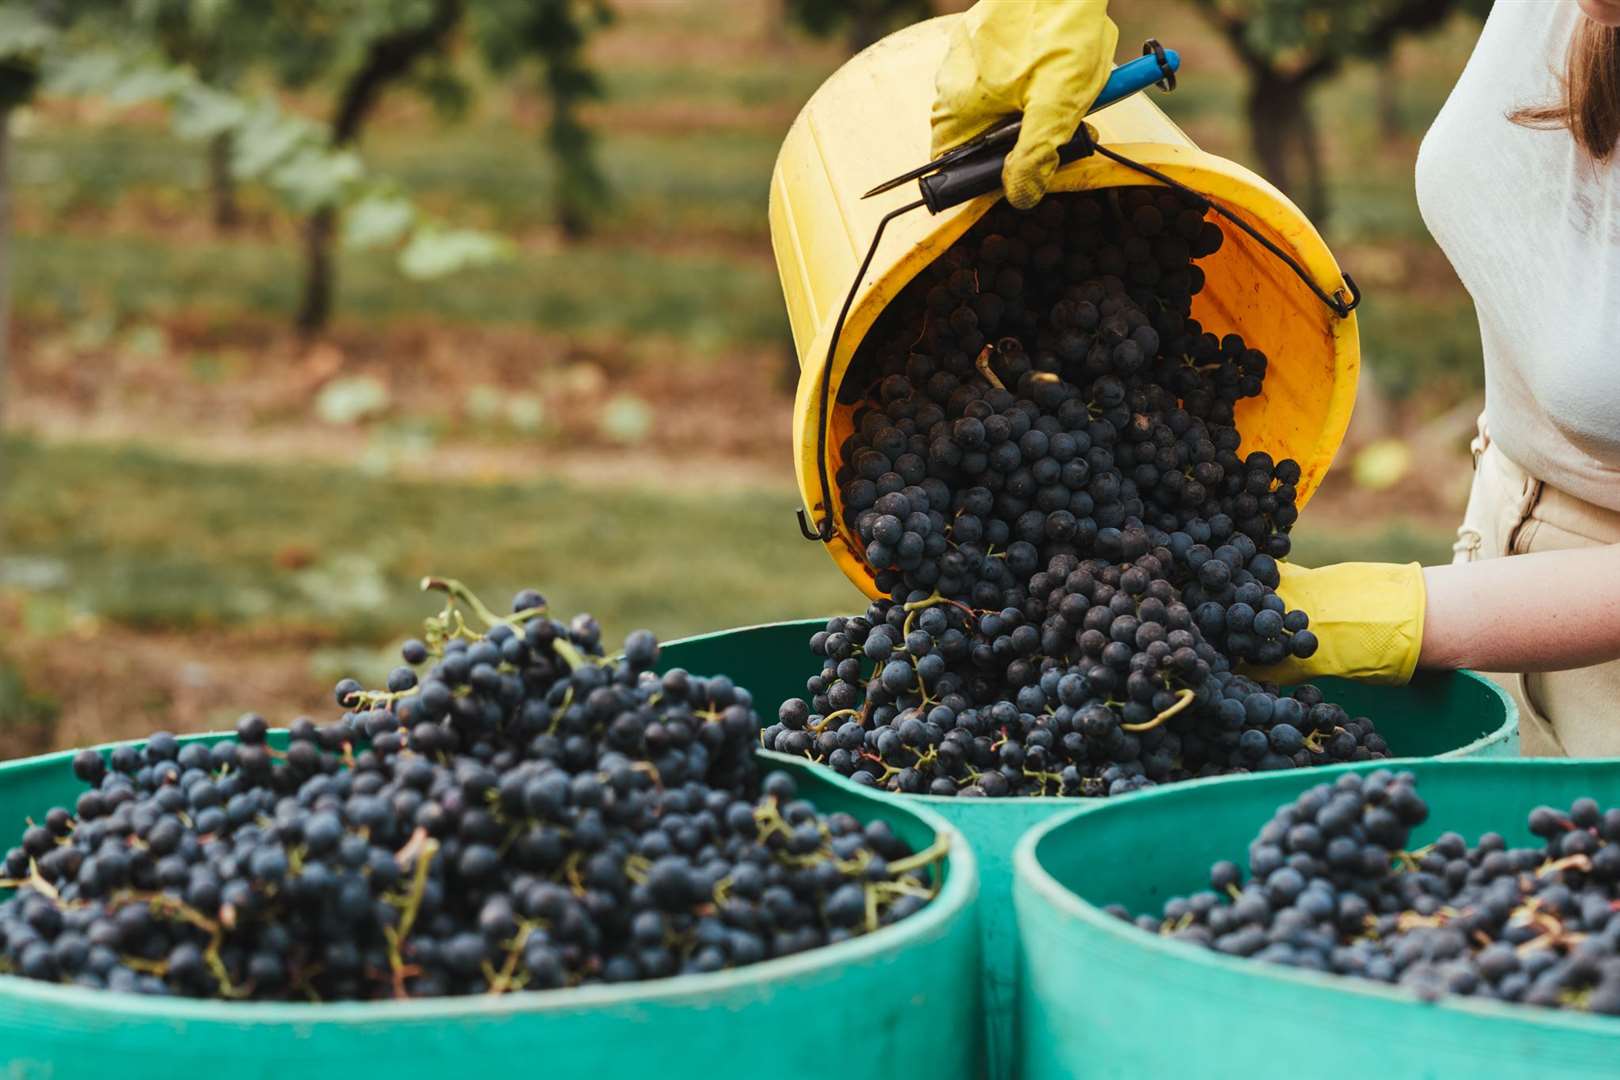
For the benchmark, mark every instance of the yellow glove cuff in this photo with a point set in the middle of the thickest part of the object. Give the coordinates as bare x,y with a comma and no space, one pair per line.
1367,618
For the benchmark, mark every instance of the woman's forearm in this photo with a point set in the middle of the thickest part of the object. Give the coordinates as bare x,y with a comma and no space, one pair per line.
1545,611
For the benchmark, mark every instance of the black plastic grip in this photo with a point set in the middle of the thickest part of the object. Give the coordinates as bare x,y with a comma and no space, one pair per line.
976,175
956,184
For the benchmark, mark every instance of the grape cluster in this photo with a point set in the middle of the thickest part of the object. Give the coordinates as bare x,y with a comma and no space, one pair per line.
523,814
1102,682
1332,887
1045,401
1043,476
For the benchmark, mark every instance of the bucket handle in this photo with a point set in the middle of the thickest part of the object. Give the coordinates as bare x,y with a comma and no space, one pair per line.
1341,301
980,173
823,531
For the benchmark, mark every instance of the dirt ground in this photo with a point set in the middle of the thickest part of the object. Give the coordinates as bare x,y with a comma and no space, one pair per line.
247,394
109,682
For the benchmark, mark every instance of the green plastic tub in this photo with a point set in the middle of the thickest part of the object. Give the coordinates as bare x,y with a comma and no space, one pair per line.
1103,999
1444,715
873,1007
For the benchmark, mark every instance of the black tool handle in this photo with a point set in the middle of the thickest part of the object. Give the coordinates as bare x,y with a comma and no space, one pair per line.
972,176
977,174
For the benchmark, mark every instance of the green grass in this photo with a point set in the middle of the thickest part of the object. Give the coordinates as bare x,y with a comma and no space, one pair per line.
1417,342
744,81
694,183
703,301
152,541
1388,541
675,184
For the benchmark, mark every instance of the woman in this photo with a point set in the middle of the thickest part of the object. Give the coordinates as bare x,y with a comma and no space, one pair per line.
1517,181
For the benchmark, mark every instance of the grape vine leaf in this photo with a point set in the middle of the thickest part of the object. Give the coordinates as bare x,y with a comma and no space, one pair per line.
435,250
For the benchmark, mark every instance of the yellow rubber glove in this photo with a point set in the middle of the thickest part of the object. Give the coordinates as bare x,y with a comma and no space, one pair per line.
1046,59
1367,618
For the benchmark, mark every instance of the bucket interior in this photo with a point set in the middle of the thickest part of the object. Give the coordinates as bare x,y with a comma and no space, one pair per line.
1303,404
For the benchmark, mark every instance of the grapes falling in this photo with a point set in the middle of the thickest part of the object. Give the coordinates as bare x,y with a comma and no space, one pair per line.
1043,476
1332,887
524,814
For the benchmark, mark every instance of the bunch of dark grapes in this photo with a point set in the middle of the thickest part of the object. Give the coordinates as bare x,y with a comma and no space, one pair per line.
1044,463
1100,683
1043,383
1332,887
523,814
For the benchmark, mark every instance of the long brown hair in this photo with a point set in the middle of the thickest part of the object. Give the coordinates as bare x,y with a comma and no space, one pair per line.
1590,103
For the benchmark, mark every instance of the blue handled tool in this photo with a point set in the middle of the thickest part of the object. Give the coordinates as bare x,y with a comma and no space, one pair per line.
975,167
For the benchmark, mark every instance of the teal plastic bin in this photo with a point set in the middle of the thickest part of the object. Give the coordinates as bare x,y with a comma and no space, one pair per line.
1101,998
1446,715
902,1001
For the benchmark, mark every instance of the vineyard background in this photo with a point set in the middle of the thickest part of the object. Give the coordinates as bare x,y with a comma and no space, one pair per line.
207,510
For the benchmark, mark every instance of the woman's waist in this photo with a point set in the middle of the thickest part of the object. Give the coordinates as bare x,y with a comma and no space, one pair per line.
1584,503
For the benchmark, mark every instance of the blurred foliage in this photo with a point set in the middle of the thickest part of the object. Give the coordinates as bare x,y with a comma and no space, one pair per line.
703,183
1288,47
1381,464
552,34
860,21
25,34
620,293
351,398
190,55
1397,540
626,419
218,39
1300,36
22,706
682,244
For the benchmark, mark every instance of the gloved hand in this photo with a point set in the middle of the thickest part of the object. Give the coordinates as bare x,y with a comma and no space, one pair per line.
1367,618
1046,59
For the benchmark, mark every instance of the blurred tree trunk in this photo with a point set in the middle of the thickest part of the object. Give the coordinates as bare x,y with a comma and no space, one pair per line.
579,183
1280,123
387,60
1389,104
865,25
5,267
222,183
6,111
1285,139
774,19
315,308
18,80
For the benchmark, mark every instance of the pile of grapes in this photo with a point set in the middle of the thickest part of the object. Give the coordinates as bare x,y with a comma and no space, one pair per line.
1332,888
1043,476
526,814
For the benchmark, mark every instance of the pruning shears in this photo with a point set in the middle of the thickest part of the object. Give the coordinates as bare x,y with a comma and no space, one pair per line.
974,168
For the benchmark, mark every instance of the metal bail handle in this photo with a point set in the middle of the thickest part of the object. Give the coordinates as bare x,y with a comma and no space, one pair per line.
824,529
1335,301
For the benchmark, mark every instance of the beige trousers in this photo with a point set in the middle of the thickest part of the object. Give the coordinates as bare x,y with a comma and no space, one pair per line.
1561,713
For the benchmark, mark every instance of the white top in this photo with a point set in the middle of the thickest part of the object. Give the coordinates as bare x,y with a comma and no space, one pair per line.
1533,229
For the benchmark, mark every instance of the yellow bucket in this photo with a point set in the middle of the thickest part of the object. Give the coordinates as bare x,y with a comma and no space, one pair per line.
869,121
